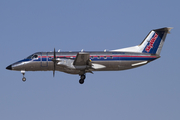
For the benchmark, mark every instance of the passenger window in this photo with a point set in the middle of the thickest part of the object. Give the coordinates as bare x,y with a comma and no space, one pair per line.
111,57
105,57
98,57
92,57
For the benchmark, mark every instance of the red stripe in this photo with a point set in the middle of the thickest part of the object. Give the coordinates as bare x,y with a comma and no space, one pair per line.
127,56
103,56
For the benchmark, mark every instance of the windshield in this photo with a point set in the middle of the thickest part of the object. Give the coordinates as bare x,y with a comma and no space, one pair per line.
29,57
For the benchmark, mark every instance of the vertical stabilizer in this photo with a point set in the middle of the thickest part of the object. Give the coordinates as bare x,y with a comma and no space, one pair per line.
153,43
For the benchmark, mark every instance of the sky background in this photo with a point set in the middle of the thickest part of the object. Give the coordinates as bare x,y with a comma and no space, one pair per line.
150,92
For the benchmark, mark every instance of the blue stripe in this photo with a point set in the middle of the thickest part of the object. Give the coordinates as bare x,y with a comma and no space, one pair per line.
101,59
123,58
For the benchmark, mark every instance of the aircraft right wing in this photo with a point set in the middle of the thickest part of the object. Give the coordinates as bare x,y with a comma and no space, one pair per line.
81,59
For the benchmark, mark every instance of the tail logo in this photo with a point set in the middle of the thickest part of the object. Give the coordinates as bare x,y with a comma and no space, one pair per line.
151,43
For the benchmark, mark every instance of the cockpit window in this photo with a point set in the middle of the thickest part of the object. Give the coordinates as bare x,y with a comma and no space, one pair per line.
35,56
32,56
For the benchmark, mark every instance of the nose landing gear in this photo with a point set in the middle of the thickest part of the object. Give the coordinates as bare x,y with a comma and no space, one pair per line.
83,77
23,72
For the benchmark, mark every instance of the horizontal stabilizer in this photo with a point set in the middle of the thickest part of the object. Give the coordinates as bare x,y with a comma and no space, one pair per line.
97,66
140,63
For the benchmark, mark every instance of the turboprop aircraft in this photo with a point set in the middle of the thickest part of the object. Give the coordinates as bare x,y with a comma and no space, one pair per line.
87,62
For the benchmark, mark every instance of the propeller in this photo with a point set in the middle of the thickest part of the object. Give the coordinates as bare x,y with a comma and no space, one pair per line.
54,61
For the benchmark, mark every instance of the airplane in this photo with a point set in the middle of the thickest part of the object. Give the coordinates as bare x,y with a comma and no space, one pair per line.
83,62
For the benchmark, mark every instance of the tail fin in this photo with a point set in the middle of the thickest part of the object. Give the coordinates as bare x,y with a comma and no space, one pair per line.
154,41
152,44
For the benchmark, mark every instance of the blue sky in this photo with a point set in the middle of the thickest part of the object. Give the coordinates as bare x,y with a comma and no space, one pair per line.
144,93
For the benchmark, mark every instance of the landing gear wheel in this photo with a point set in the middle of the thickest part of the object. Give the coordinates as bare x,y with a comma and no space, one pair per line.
83,77
23,79
81,81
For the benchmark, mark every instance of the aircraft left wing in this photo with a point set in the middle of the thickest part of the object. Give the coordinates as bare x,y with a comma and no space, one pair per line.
81,59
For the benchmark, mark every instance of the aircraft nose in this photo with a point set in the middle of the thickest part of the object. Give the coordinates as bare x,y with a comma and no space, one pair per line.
9,67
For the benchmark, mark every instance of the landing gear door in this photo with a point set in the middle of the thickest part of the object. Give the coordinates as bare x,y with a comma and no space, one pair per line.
44,59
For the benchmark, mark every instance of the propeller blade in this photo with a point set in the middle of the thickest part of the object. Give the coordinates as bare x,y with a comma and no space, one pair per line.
54,53
53,73
54,61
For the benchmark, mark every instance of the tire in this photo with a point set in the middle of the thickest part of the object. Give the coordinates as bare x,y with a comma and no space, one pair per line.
23,79
83,77
81,81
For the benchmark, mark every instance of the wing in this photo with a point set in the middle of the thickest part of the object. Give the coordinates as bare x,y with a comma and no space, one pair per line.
82,58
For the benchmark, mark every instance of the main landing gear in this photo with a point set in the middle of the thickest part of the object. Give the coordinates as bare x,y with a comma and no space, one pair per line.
82,78
23,72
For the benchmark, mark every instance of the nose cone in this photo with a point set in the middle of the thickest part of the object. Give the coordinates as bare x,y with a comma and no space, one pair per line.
9,67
